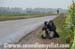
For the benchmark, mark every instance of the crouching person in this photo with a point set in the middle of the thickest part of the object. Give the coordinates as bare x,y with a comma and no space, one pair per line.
52,29
45,31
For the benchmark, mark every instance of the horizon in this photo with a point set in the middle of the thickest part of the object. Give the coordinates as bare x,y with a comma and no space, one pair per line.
31,8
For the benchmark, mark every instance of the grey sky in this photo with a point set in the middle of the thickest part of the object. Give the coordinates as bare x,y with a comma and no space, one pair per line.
35,3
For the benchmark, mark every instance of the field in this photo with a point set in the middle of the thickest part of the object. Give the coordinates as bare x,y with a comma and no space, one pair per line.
15,17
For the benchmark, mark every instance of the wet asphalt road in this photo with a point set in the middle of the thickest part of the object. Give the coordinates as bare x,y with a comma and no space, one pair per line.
13,30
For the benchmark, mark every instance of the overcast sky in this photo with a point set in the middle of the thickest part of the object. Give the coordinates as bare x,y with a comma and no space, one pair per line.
35,3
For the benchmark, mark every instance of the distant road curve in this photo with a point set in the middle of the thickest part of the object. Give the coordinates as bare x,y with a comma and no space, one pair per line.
13,30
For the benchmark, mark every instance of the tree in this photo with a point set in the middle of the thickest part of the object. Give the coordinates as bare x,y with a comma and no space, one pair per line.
73,21
69,25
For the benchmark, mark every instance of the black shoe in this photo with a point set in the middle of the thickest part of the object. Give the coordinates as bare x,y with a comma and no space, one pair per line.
56,36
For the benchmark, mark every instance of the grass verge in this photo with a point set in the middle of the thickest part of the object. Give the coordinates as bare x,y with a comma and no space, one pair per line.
59,22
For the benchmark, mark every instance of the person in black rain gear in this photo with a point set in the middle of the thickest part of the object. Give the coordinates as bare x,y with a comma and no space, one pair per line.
52,28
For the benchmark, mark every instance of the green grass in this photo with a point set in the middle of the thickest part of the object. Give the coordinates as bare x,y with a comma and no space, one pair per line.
59,22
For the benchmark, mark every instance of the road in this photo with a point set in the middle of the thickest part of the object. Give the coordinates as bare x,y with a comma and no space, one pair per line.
13,30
